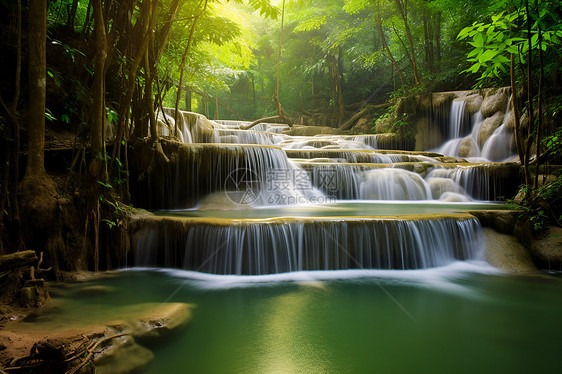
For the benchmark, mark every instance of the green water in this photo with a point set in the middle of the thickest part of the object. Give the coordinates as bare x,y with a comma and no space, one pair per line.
466,318
340,209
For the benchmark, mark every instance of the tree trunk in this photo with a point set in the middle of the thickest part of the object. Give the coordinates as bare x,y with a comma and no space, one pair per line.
17,78
514,105
98,164
336,83
149,101
403,12
164,34
378,25
428,32
182,67
437,35
426,37
254,96
528,141
539,95
148,22
277,103
37,85
37,191
72,15
188,99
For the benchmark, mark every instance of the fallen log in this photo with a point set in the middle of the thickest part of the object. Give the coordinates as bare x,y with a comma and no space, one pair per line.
274,119
17,260
367,110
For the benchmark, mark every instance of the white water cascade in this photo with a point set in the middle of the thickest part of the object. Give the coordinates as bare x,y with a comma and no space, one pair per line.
219,198
497,148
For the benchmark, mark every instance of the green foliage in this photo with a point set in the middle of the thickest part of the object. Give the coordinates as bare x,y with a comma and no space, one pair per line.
394,122
68,51
112,116
505,33
106,185
49,116
541,206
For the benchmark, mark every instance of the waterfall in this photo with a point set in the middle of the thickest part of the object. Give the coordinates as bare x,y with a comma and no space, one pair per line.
394,184
248,174
218,166
456,119
284,245
479,181
497,147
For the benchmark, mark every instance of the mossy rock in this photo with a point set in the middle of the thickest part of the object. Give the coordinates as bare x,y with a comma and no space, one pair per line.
473,103
494,102
468,148
506,253
547,248
490,125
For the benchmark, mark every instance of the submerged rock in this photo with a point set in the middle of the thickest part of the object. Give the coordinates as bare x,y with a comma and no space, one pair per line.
94,290
162,319
122,355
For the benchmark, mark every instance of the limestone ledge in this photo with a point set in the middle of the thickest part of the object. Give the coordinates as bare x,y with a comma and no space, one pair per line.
215,221
526,250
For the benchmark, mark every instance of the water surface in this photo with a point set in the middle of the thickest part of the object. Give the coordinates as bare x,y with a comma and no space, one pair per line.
466,317
350,208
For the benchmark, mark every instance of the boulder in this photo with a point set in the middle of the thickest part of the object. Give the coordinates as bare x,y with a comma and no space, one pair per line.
503,221
363,126
438,99
473,103
547,247
490,125
505,252
494,102
510,121
440,186
468,148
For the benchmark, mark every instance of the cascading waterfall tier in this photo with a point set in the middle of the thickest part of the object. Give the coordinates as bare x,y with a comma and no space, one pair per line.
277,245
250,173
234,170
413,180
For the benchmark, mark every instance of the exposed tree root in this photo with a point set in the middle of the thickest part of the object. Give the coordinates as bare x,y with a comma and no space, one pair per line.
366,111
49,355
273,119
91,352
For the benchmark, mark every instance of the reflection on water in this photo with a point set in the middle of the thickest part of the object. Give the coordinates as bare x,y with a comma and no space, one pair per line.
340,209
466,317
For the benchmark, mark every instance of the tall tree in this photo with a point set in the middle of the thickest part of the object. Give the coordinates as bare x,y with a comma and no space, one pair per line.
37,85
402,6
97,165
